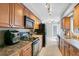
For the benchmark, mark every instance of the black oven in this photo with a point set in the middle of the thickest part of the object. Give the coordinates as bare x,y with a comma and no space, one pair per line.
28,23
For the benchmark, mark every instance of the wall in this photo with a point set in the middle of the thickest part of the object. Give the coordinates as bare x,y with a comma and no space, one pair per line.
2,31
49,30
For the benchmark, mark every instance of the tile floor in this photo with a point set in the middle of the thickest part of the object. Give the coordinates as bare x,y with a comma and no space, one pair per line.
50,50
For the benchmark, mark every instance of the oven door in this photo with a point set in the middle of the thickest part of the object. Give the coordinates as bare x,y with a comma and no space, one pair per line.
35,48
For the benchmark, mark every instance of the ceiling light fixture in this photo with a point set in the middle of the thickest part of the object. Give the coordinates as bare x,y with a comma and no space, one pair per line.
49,8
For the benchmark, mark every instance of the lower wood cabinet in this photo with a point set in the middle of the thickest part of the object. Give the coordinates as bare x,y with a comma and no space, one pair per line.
67,49
17,53
74,51
62,47
26,50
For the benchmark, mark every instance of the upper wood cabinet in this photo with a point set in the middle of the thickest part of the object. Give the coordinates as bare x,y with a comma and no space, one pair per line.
17,16
66,23
12,15
4,15
36,23
76,17
26,12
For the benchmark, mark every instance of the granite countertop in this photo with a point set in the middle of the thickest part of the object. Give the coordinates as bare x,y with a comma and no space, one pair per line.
73,42
9,50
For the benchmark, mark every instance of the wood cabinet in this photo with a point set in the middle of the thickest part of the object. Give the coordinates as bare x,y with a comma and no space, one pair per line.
74,51
17,53
27,50
76,17
4,15
36,26
26,12
62,47
12,15
66,23
17,16
66,49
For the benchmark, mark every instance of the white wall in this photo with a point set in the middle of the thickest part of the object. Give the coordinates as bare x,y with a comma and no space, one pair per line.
49,30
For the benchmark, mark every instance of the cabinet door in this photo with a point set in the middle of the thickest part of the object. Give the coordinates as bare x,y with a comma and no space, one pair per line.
17,53
36,25
18,16
66,23
74,51
26,12
62,47
27,50
4,15
66,49
76,17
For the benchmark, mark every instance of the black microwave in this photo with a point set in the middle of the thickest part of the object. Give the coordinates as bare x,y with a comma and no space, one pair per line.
28,23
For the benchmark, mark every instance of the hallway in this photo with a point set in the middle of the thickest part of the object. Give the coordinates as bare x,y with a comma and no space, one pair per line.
50,50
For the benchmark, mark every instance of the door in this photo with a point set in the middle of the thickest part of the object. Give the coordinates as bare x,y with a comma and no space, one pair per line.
4,15
17,18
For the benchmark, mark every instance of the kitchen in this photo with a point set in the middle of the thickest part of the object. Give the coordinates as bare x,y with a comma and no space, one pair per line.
29,30
18,35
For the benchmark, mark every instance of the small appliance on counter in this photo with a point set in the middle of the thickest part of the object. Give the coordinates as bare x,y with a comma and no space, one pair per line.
11,37
24,36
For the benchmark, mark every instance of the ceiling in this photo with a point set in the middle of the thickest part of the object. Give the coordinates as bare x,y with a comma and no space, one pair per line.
41,11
